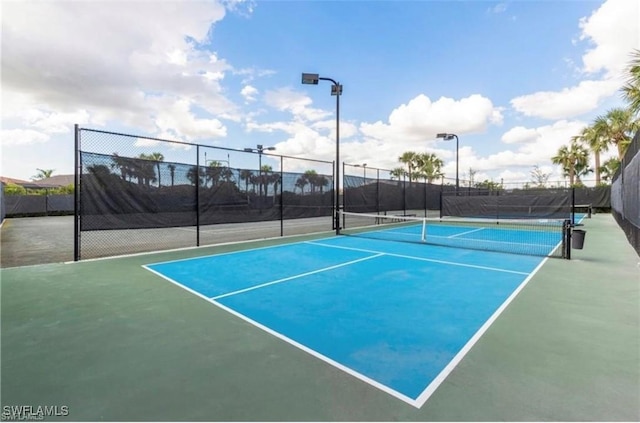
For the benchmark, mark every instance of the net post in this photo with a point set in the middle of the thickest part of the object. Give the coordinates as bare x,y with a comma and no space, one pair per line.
573,205
566,239
424,230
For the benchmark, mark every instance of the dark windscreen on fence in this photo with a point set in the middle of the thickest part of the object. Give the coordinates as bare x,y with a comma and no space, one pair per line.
380,194
509,204
625,194
121,197
133,198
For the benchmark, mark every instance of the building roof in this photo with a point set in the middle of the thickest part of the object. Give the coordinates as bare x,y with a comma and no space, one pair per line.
56,181
52,182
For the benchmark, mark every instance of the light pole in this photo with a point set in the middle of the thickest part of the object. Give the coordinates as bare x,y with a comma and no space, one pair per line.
259,149
336,89
449,137
364,171
214,160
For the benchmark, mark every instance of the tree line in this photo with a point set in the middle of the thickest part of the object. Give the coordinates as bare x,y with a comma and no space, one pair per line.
145,170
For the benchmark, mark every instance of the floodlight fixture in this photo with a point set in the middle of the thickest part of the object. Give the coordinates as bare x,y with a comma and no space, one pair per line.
449,137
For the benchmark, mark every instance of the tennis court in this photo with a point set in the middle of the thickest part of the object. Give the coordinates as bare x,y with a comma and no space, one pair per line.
333,328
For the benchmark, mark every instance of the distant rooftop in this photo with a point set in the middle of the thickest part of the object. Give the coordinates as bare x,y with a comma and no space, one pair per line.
52,182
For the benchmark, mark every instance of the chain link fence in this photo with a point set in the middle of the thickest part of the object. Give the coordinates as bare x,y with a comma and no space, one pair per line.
139,194
625,194
374,190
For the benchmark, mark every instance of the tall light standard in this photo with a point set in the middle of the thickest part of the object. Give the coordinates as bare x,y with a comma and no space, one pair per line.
449,137
364,173
259,149
336,89
214,160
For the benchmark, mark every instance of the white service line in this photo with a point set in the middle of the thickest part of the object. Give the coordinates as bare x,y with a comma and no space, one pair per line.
435,383
451,263
467,232
301,275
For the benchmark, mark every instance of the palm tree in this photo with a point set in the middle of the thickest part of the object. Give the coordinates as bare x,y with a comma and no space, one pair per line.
609,168
397,172
195,174
146,169
619,129
301,182
213,172
172,172
631,90
429,166
43,174
124,164
594,138
409,159
245,175
265,172
322,182
582,163
101,173
274,178
312,178
156,158
574,161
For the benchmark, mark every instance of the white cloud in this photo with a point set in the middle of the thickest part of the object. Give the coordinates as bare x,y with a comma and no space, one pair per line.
22,137
111,62
287,99
249,93
421,119
519,134
176,118
533,146
613,32
568,102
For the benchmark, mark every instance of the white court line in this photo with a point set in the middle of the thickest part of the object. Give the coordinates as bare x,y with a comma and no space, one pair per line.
435,383
301,275
316,354
467,232
451,263
290,341
231,252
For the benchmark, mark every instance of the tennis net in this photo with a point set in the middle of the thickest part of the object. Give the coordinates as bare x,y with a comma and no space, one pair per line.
540,237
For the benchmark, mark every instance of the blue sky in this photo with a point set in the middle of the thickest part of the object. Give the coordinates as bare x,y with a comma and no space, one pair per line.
514,80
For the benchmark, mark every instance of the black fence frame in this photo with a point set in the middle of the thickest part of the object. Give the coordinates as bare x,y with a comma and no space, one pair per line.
202,207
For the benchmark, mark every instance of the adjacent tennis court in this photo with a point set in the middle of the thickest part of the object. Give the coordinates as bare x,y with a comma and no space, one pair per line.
396,315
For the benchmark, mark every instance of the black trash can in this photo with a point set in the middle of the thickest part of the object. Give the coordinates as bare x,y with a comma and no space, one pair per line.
577,238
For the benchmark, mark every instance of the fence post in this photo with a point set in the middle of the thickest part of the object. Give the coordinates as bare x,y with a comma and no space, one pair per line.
281,200
198,195
76,195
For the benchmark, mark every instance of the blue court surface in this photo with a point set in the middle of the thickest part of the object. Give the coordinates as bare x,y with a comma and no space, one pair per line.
396,315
